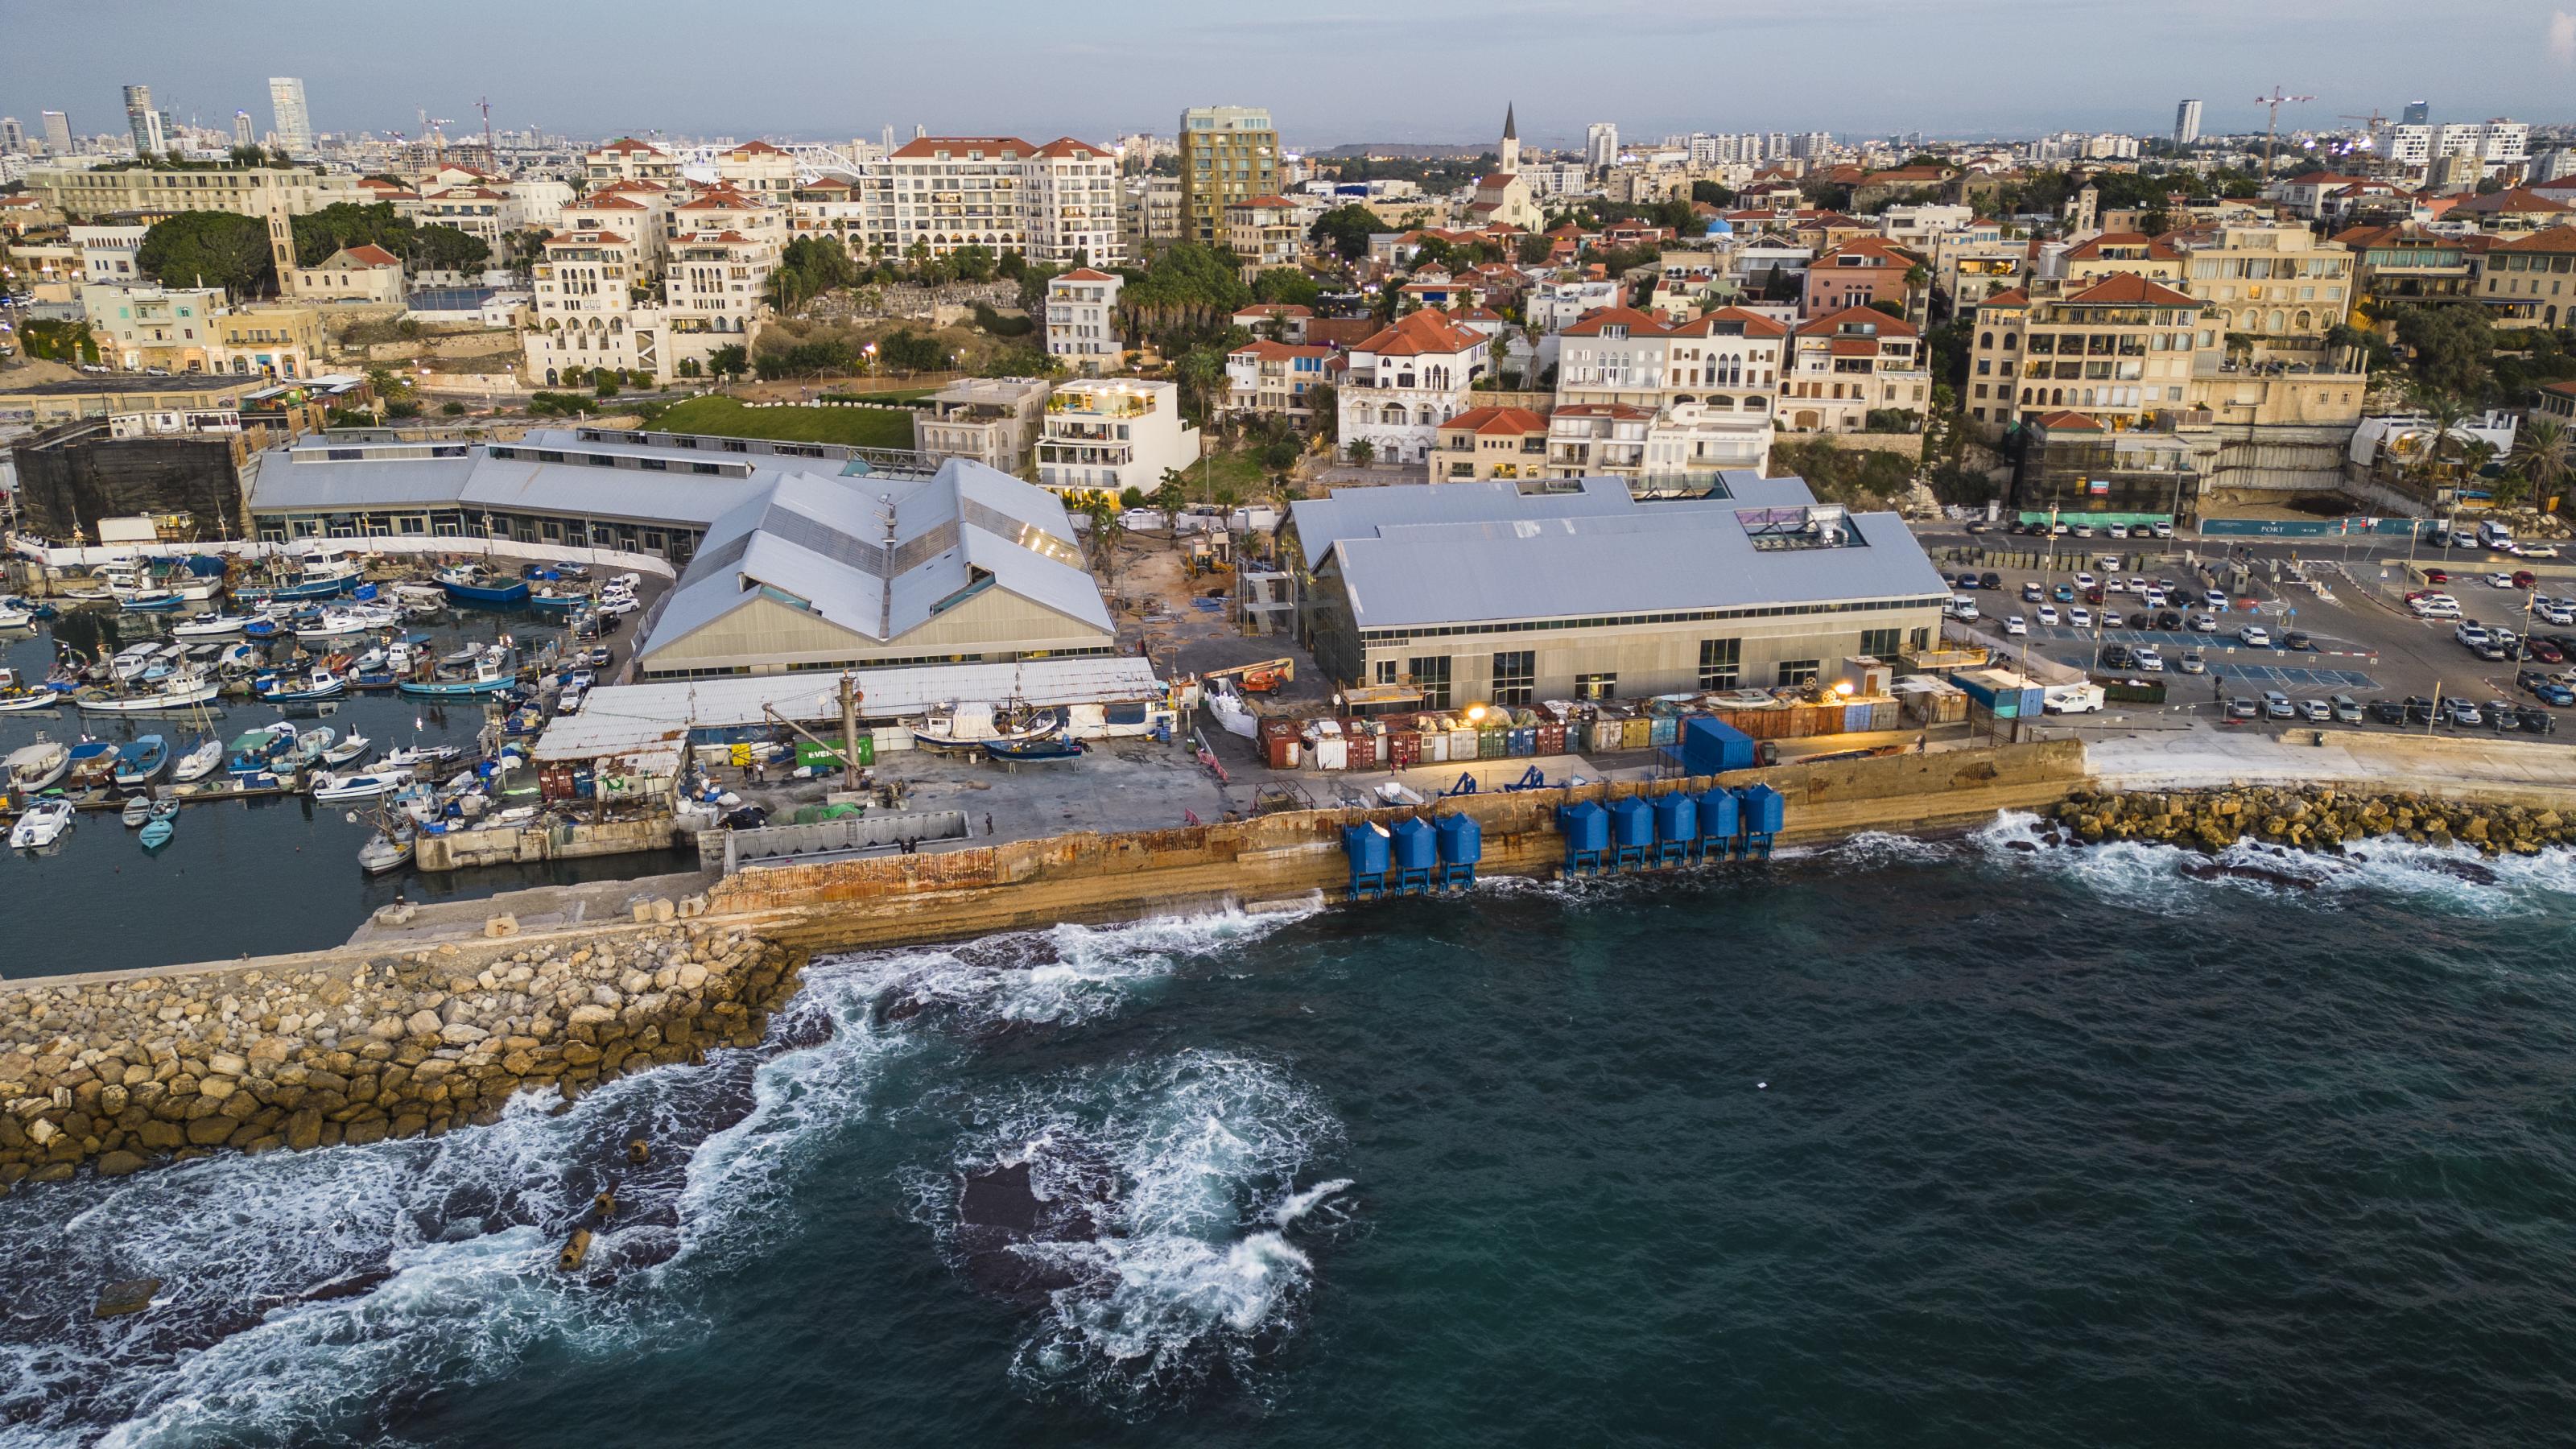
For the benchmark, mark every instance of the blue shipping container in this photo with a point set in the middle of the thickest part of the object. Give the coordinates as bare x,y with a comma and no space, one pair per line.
1711,746
1855,718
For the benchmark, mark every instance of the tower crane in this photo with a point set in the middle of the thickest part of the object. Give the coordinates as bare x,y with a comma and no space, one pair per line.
2277,99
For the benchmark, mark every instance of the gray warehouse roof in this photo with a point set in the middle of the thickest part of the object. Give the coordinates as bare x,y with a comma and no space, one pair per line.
1411,561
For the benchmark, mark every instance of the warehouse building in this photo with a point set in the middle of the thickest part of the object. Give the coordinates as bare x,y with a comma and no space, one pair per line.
1504,593
820,573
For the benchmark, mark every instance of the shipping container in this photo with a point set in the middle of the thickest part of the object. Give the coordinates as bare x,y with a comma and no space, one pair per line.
1404,751
1326,746
1363,749
1462,744
1664,728
1551,739
1491,743
1636,733
1882,714
1280,747
1521,741
1435,747
1711,746
1855,718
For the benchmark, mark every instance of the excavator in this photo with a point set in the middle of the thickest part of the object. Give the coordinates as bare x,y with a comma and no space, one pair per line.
1263,677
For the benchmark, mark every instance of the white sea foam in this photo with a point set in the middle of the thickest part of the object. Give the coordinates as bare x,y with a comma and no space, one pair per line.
465,1225
1301,1203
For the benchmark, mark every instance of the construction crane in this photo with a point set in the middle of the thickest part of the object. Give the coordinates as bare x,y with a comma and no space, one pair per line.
438,136
2271,128
484,103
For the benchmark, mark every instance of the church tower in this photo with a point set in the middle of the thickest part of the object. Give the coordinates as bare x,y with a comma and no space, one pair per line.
1511,147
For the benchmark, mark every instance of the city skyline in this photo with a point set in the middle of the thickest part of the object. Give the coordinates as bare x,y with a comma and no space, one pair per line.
1903,70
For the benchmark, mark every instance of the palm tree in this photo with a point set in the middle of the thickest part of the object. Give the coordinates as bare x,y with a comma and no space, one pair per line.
1105,528
2541,455
1169,497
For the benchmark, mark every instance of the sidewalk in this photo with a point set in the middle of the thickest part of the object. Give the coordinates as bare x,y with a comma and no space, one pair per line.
2213,757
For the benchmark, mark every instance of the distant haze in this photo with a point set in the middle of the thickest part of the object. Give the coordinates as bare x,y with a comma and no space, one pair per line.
1433,71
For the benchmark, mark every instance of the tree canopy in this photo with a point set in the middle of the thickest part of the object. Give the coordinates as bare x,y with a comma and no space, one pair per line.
1285,285
344,224
1346,229
209,249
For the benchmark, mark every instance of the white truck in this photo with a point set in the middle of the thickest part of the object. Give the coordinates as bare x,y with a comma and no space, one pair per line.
2071,699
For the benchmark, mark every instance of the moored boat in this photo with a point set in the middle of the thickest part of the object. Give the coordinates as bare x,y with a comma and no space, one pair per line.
179,691
141,761
36,767
296,689
157,832
472,584
201,759
210,625
93,764
1048,751
363,785
42,825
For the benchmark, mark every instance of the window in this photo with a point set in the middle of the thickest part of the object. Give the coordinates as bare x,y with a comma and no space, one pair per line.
1386,671
1798,671
1431,675
1596,686
1879,643
1721,663
1516,677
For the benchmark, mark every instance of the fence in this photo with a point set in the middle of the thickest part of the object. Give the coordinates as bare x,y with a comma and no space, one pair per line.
2313,527
830,837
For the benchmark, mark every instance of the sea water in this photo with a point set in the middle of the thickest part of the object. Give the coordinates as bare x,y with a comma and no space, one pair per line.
1969,1142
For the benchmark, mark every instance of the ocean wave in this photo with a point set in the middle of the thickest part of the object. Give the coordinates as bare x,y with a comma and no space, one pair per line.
2176,880
1143,1214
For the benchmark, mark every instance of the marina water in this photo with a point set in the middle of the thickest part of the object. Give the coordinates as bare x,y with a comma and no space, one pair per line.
242,877
1952,1143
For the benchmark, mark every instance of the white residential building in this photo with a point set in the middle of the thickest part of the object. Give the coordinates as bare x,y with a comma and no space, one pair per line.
960,191
107,252
1082,320
294,121
1600,146
713,283
1555,306
1106,435
594,309
1072,198
1405,381
1731,360
628,159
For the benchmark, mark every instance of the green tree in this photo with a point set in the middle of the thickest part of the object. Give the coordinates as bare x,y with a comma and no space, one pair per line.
2450,347
1346,229
908,351
729,360
1171,495
1285,285
972,264
209,249
2540,454
1363,452
1323,412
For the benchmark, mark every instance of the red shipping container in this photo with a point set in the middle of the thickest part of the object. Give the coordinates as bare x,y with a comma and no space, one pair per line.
1279,743
1551,739
1363,753
1404,751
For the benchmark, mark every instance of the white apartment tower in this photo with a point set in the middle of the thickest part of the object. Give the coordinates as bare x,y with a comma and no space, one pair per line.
2186,123
58,134
1600,146
142,122
294,123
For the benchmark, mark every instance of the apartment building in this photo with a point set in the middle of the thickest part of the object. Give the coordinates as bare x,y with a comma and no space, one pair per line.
1102,436
2110,254
1280,321
1263,233
107,250
139,326
1847,365
478,211
594,307
761,171
158,191
1149,212
1073,201
961,191
2394,265
363,273
721,208
993,420
1491,442
1731,359
1274,378
1857,274
2118,348
1081,323
1968,268
1228,154
627,159
1404,381
713,283
2530,281
2278,285
283,340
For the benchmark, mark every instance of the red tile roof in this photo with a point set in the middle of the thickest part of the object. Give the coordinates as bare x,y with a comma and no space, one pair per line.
756,148
2158,249
928,147
2131,289
1639,324
1754,323
629,146
1833,322
1604,410
1270,351
1272,309
2009,297
2560,238
2520,198
1064,146
1496,422
368,254
2070,421
1421,332
1084,274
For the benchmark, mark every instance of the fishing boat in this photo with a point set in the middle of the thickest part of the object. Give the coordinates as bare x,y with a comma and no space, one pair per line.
1047,751
212,625
488,673
151,601
364,785
36,767
356,619
252,753
141,761
968,727
157,832
42,825
201,759
93,764
299,689
418,757
558,598
179,691
15,616
18,696
310,745
390,848
348,751
32,608
473,584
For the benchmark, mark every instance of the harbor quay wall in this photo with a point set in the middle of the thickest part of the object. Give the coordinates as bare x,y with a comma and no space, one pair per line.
511,844
123,1070
898,900
116,1071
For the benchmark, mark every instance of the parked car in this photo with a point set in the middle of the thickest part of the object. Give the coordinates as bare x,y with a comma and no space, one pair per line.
2346,708
2192,662
2163,530
2137,585
2524,579
2502,716
2117,657
2544,651
2203,624
2240,709
1963,581
2156,598
2297,639
2048,613
2146,660
2080,616
2016,626
2420,710
2168,621
2554,694
2316,711
2437,576
2469,632
2083,581
2116,530
2387,712
2539,722
2032,593
2276,705
2255,636
2063,593
2110,618
2457,711
1990,581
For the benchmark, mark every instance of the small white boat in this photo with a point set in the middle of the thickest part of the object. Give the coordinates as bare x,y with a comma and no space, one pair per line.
179,691
34,767
1396,792
42,825
387,849
348,751
15,616
138,808
339,623
417,756
206,758
209,626
366,785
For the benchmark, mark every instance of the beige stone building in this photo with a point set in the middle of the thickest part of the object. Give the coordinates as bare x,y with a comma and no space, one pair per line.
2278,286
1847,365
990,420
1491,442
1263,233
1228,154
157,191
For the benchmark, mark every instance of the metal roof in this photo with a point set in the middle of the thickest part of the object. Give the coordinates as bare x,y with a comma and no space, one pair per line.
886,693
509,485
1360,512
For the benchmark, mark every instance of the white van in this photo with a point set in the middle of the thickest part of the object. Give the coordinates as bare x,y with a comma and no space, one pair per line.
2492,534
1963,608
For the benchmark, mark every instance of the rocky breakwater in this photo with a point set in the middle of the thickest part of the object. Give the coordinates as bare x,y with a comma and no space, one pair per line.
2315,818
125,1072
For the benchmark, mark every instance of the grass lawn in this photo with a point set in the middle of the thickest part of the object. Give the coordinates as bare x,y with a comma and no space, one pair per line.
727,418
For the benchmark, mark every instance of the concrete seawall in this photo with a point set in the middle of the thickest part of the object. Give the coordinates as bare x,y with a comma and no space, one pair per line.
124,1069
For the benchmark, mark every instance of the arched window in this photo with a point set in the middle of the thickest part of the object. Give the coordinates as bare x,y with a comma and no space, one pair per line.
1985,339
1392,413
2057,397
2304,322
2278,322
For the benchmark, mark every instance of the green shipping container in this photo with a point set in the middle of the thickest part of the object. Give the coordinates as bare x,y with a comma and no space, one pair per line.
811,754
1490,743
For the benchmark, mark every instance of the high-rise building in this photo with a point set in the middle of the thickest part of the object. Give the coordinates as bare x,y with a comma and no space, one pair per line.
13,137
242,133
1600,146
1228,153
58,134
2417,113
142,122
2186,123
294,123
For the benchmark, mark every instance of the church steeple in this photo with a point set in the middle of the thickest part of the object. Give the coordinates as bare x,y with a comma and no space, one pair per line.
1510,131
1509,154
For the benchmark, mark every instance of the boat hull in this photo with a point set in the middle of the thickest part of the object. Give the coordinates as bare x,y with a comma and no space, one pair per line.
485,593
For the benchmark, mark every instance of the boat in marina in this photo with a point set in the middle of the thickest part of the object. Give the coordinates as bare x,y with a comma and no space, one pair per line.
179,691
151,601
42,825
13,615
138,808
311,744
388,849
255,752
158,831
968,727
305,687
488,672
17,695
93,764
558,598
362,785
343,623
36,767
200,760
210,625
141,761
1046,751
474,584
419,757
348,751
